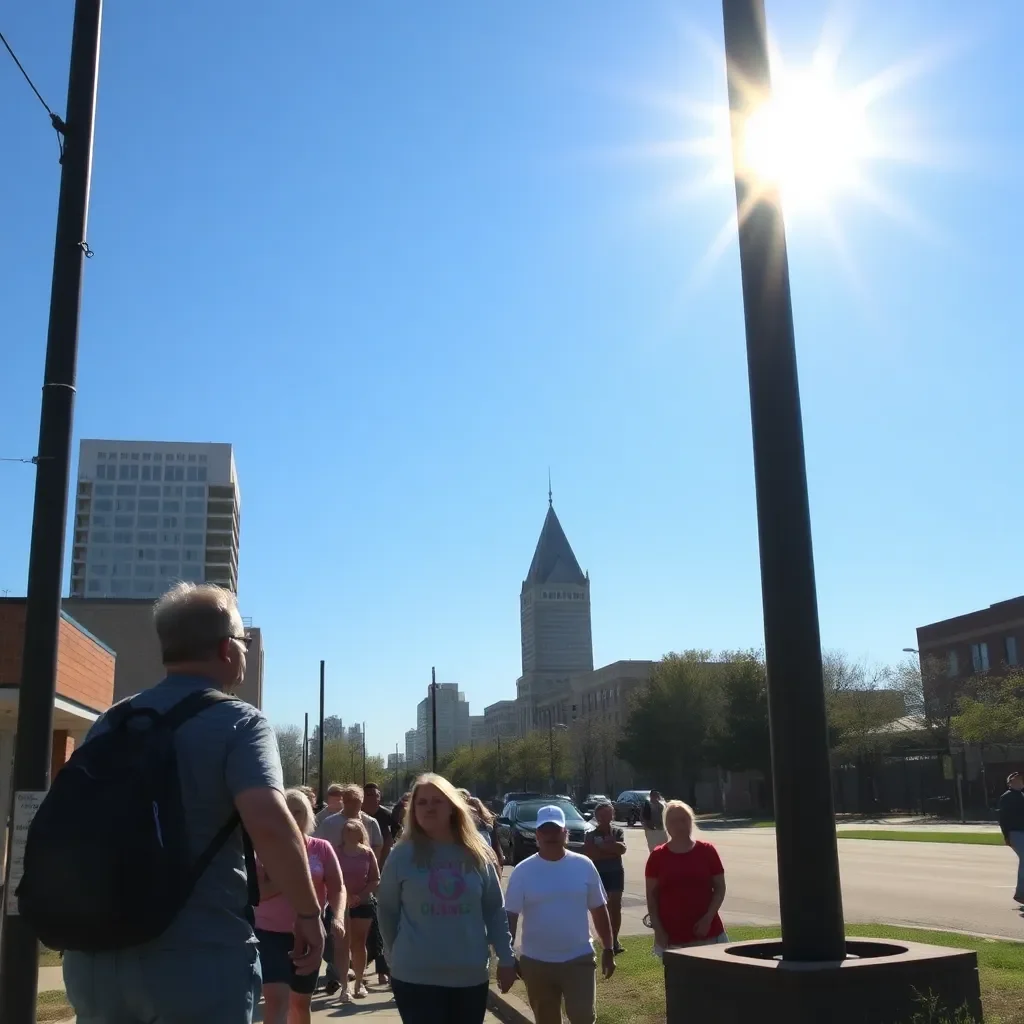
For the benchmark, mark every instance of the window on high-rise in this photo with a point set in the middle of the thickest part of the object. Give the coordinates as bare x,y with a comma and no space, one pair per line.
195,506
125,505
170,522
100,520
172,506
194,539
194,522
191,474
101,537
142,586
124,522
149,505
126,490
1011,650
123,536
102,489
149,491
195,492
157,472
202,472
147,536
120,586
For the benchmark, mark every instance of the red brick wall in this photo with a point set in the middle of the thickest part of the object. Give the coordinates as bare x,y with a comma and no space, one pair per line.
63,747
12,634
85,670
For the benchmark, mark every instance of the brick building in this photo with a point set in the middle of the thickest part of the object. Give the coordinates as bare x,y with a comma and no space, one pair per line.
85,688
988,640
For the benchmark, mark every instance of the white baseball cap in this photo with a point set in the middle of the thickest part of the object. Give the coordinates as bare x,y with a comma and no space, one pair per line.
551,815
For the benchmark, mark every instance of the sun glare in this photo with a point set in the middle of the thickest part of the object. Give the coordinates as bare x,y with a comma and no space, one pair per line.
811,140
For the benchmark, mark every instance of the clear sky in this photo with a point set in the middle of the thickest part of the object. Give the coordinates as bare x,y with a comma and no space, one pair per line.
406,259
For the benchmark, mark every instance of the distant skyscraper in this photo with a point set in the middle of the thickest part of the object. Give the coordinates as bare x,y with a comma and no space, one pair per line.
452,722
150,513
554,618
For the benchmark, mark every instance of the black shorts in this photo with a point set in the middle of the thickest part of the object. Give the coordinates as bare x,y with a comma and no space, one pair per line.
364,912
613,878
276,961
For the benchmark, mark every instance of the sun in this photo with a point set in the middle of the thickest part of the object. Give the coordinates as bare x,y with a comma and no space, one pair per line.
811,140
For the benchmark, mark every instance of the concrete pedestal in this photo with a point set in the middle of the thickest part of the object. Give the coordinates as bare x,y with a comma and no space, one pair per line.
880,982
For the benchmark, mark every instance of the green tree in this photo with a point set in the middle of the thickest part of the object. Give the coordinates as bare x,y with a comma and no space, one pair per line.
994,713
740,737
667,735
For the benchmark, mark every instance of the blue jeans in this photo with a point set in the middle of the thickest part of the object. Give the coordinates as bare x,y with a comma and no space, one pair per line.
144,986
1017,845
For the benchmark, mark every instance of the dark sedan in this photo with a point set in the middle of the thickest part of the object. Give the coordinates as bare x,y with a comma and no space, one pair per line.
517,827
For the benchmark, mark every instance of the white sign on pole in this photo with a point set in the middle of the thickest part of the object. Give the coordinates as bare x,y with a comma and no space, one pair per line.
26,803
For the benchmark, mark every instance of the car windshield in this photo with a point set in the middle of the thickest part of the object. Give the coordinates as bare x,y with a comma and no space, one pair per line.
528,811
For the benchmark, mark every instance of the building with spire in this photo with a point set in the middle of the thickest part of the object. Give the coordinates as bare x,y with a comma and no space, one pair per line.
554,621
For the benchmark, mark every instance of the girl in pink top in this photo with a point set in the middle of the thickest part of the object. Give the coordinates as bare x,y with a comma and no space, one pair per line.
287,995
362,876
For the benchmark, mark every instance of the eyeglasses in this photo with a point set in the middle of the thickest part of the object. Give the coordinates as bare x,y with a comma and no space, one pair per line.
244,640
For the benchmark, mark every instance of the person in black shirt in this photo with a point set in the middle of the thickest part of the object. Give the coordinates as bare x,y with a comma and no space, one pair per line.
371,805
1011,823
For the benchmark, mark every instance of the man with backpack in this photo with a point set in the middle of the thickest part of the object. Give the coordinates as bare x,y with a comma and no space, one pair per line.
136,862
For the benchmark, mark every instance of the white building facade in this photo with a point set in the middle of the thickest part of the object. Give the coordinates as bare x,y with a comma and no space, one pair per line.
151,513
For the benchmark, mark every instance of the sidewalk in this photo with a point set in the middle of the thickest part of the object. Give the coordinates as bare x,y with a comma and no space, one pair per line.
378,1006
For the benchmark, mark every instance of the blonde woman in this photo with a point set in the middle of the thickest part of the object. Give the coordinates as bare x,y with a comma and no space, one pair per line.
287,994
361,875
440,911
685,885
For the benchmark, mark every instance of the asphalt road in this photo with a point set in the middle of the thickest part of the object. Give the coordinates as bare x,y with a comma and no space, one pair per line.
921,885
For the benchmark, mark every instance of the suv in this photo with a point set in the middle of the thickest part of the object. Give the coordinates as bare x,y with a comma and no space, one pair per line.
629,805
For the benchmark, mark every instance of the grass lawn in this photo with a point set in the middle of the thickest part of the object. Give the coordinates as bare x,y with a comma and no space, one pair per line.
886,835
52,1006
636,992
48,958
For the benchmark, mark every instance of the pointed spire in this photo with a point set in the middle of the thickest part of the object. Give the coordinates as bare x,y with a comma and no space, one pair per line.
553,560
551,503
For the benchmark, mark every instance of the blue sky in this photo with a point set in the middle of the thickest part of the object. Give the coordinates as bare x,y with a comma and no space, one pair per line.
406,260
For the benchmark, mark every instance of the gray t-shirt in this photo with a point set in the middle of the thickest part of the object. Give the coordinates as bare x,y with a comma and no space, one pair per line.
331,827
223,751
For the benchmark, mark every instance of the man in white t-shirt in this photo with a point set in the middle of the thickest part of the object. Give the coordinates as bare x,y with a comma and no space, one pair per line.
557,892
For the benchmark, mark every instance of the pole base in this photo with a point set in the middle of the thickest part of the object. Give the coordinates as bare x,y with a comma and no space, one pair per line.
880,982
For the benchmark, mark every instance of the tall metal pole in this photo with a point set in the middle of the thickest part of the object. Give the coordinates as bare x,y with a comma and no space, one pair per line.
364,754
397,794
320,747
809,890
305,751
34,740
433,721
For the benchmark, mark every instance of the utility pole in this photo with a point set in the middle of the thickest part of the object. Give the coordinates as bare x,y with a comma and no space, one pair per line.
19,949
397,794
810,897
498,767
433,720
364,755
305,751
320,748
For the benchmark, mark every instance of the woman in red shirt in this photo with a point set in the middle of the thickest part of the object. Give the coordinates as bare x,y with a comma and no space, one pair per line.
685,885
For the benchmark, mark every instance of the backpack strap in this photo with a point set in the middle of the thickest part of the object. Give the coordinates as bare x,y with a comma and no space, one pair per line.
177,716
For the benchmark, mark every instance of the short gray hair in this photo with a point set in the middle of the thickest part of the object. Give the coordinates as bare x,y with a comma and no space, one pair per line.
192,619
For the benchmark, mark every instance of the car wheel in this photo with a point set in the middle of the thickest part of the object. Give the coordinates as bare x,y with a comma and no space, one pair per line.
633,819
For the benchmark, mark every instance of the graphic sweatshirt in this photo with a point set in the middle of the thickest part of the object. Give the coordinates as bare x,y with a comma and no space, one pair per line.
439,919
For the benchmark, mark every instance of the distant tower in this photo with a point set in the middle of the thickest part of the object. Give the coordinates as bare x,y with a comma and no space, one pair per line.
554,618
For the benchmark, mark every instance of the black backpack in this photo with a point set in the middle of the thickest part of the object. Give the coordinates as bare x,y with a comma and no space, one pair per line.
106,857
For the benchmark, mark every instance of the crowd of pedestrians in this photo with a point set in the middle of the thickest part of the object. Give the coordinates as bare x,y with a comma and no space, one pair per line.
268,888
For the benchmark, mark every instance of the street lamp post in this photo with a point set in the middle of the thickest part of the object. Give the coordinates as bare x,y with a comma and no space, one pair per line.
812,980
433,720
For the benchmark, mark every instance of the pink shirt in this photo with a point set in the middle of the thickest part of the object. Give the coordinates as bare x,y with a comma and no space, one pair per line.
355,868
276,914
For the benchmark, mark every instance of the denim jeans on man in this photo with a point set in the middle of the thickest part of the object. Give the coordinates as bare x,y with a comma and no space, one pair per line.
1017,845
205,967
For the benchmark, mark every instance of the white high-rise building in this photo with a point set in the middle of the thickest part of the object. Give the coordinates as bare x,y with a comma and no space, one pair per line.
150,513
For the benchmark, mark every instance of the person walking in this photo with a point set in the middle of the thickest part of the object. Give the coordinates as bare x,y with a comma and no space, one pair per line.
389,831
204,965
362,876
685,885
653,817
1011,824
605,846
286,993
330,827
332,803
557,893
484,821
440,910
349,800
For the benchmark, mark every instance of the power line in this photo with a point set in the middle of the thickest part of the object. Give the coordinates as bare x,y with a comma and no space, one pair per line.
30,462
58,124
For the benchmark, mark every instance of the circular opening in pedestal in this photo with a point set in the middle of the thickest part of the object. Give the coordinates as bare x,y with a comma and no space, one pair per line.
856,949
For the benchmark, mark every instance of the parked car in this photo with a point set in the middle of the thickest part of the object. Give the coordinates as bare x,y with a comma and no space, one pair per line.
590,802
629,805
517,826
